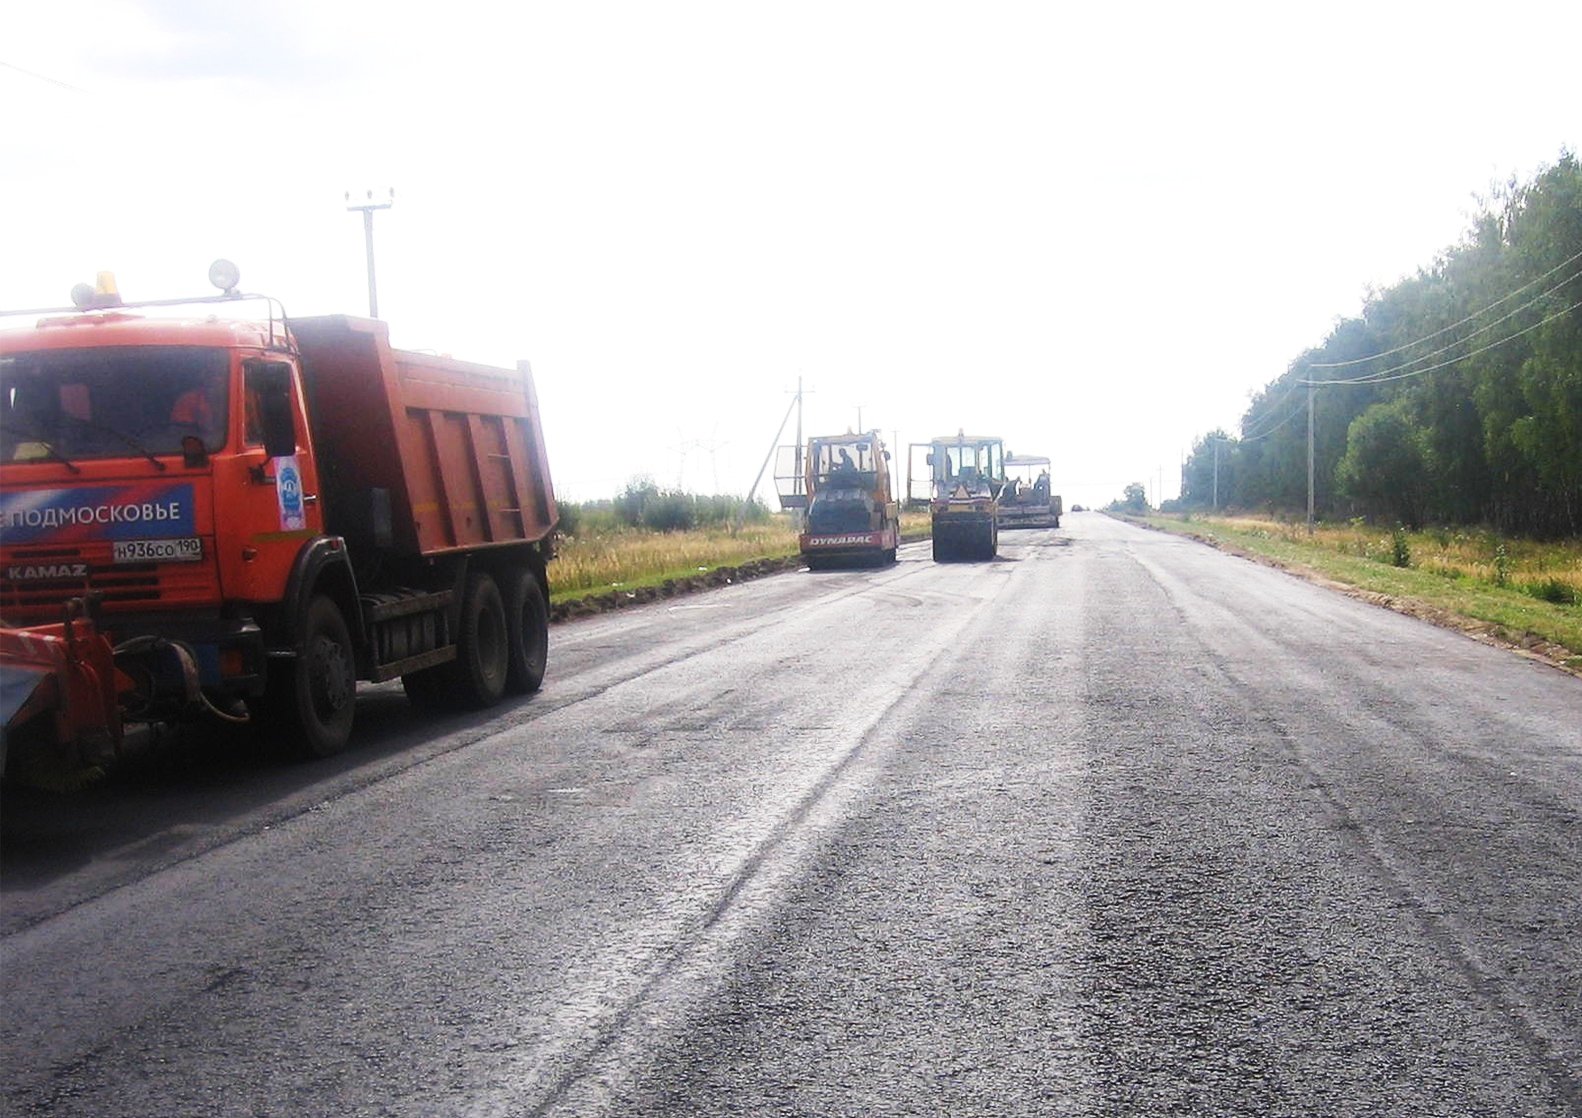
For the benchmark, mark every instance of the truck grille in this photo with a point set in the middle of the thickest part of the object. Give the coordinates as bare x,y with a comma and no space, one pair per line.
36,581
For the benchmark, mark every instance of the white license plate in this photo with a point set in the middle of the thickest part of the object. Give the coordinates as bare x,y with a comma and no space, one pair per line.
188,550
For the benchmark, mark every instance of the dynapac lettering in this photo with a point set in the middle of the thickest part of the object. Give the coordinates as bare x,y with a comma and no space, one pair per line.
840,541
121,512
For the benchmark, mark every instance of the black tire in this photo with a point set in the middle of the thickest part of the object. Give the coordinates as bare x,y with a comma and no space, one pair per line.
483,651
313,697
527,632
476,678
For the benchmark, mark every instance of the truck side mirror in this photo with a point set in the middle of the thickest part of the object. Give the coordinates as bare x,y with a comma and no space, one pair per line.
270,384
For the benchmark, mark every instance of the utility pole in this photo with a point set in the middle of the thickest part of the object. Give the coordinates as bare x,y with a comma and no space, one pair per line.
1216,474
795,404
1310,458
801,467
367,208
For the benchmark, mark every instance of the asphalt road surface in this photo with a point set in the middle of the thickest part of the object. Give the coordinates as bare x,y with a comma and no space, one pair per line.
1115,825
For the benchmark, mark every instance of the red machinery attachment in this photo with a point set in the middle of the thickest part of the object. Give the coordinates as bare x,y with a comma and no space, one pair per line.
60,682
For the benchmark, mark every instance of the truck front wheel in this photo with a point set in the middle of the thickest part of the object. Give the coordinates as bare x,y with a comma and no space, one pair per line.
314,695
527,625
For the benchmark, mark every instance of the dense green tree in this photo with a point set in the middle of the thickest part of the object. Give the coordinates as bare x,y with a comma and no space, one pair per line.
1208,472
1385,467
1476,363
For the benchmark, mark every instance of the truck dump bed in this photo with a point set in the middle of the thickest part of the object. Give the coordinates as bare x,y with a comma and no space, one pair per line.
419,454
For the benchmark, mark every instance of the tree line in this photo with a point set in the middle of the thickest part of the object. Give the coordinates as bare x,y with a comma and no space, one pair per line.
1455,397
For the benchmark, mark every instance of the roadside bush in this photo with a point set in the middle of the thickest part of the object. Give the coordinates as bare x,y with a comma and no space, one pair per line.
634,499
1553,590
570,516
1400,550
642,504
722,510
670,512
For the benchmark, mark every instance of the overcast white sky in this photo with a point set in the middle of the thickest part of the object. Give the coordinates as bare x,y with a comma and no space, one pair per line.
1093,230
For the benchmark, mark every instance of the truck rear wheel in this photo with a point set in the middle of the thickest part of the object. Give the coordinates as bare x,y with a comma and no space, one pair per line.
314,695
476,678
483,649
527,628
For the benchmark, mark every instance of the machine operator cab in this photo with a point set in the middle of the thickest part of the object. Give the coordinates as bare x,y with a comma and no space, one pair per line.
955,466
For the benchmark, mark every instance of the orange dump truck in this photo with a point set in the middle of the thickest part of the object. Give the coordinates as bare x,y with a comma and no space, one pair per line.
233,517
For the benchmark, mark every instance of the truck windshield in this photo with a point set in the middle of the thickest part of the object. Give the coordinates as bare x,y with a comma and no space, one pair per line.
111,402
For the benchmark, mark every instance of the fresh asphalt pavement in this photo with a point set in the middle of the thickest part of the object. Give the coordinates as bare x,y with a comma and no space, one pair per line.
1114,825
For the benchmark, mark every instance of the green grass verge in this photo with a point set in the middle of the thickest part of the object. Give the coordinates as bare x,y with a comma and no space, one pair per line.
654,578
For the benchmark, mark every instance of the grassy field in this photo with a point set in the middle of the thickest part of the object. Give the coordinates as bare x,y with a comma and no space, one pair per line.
603,559
599,561
1516,591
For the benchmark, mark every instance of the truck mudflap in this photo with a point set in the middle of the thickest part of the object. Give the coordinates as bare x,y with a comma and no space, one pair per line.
58,690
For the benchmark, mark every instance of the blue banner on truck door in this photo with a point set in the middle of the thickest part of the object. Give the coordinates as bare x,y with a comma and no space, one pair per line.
139,510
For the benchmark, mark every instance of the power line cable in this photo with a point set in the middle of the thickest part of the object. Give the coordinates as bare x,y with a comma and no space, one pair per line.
1399,372
1290,415
1394,373
1271,409
1453,360
42,77
1573,258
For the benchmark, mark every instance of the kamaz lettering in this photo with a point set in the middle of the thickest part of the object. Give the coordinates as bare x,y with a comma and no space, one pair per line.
47,571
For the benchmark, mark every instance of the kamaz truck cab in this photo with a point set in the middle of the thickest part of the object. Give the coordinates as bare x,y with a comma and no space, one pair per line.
137,480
